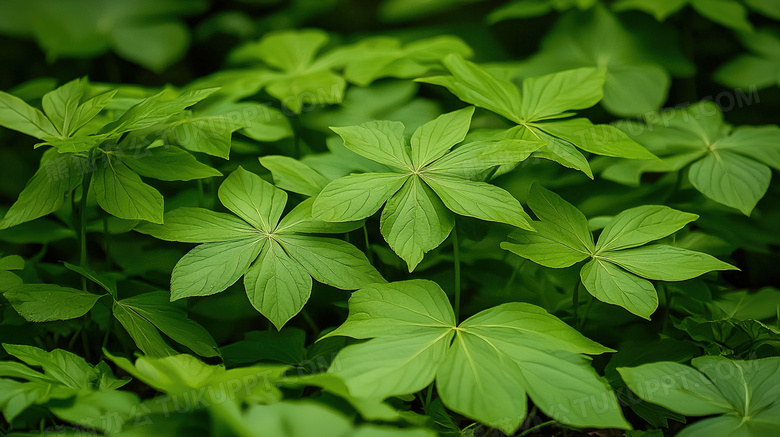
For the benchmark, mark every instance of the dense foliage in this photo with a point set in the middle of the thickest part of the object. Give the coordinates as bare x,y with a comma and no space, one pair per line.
403,218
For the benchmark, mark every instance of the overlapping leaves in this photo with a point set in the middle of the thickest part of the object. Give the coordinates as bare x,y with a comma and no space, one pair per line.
87,146
276,256
621,263
742,396
538,111
426,183
483,367
729,165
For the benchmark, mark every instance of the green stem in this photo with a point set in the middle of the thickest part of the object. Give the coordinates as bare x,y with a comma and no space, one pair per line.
369,255
83,218
309,321
539,426
456,252
428,397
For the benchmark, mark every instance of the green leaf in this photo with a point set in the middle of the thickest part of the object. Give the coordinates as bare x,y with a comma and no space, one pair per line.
17,115
435,138
155,308
413,323
728,13
90,109
277,285
735,391
155,109
132,42
169,164
106,282
45,192
145,335
731,179
666,263
59,365
549,246
660,9
356,196
292,175
331,261
472,160
300,221
415,221
198,225
755,142
121,193
61,105
637,226
601,139
553,94
611,284
212,267
411,326
47,302
550,207
381,141
479,200
287,50
250,197
474,85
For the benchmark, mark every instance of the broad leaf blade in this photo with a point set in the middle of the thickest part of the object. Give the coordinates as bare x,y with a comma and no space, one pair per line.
637,226
121,193
666,263
611,284
253,199
47,302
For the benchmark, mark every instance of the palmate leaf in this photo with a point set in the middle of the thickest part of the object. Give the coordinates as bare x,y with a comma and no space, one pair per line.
537,110
729,166
298,80
428,185
742,395
618,270
276,256
482,368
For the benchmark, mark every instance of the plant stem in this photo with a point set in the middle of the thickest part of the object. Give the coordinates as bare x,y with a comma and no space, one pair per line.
369,255
533,429
83,224
456,252
310,322
428,397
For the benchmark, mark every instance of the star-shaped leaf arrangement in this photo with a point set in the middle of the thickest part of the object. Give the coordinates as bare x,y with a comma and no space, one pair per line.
426,183
637,69
295,77
99,153
540,109
729,165
276,256
741,396
483,367
619,264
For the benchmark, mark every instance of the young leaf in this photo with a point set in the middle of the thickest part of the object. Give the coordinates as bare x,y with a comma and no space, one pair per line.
121,193
666,263
415,221
252,199
732,391
292,175
169,164
154,307
551,95
47,302
423,178
17,115
563,239
414,340
277,258
641,225
276,285
46,191
61,105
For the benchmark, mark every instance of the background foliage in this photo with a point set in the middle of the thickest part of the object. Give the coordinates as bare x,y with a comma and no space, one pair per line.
396,218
